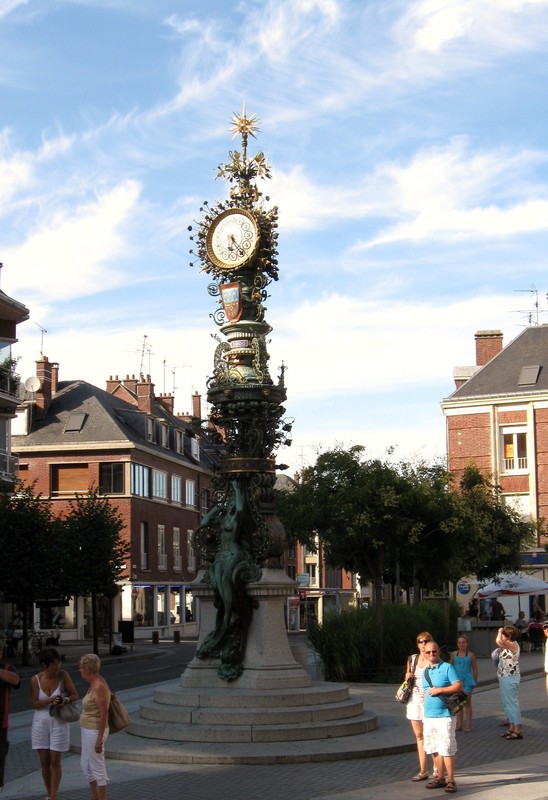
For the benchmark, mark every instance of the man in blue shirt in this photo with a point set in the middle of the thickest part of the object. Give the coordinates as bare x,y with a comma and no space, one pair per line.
439,726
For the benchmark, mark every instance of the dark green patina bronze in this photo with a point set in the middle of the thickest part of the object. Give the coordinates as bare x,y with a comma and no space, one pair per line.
242,531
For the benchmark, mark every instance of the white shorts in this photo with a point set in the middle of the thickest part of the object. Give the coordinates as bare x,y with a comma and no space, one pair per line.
414,709
93,763
439,735
49,733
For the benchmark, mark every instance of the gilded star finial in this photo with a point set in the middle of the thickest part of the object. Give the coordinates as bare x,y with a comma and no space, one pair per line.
243,125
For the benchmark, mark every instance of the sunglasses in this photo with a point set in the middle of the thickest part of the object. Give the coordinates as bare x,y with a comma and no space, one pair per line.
431,652
422,641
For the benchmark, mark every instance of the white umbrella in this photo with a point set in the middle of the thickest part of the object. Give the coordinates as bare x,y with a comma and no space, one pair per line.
513,584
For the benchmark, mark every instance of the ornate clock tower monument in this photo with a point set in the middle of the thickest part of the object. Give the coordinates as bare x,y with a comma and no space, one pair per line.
244,697
236,245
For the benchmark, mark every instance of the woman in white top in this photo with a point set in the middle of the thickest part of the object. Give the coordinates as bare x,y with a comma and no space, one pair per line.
50,736
509,677
415,707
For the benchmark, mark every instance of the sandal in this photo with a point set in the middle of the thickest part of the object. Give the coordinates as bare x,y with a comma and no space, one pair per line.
514,735
421,776
437,783
451,787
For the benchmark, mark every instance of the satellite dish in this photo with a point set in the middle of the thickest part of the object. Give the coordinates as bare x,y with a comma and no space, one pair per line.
32,384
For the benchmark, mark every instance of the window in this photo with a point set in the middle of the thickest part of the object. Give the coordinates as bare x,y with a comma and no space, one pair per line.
162,555
150,429
164,435
514,450
176,489
520,503
140,480
204,502
177,560
159,484
179,442
190,493
191,556
311,570
69,478
195,449
111,478
144,545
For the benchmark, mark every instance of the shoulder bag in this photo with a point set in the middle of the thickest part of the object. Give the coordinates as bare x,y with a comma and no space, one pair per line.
452,702
118,718
64,712
403,695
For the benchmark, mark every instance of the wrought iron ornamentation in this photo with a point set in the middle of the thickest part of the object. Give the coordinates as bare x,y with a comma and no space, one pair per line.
236,243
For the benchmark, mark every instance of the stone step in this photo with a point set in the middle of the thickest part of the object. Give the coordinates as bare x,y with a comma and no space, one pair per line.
181,732
251,715
222,698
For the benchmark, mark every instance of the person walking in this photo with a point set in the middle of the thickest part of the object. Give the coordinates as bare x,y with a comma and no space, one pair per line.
50,736
466,666
509,677
440,741
9,680
415,707
94,726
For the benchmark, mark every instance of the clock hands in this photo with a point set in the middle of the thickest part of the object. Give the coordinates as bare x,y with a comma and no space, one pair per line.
233,244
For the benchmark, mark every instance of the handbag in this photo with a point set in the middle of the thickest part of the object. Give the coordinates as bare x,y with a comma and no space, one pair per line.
452,702
118,717
403,695
65,712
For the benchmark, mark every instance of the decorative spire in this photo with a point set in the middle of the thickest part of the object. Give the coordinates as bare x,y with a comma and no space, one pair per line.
240,170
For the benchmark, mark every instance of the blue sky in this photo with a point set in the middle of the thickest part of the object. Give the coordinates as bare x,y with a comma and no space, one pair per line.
408,145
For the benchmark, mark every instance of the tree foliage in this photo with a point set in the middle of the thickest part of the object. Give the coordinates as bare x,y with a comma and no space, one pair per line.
94,528
34,556
401,522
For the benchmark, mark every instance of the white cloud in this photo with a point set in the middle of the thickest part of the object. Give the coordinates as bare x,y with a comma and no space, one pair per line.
70,252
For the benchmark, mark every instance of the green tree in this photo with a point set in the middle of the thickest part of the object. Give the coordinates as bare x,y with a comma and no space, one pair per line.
488,535
34,554
99,550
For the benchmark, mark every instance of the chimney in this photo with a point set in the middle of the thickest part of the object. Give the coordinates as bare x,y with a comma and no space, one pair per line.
145,394
167,400
131,383
43,395
54,378
197,405
488,345
112,384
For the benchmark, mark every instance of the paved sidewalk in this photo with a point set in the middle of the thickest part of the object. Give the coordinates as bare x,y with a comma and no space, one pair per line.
488,767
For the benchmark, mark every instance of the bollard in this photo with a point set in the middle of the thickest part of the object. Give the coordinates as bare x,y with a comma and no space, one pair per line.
155,637
177,637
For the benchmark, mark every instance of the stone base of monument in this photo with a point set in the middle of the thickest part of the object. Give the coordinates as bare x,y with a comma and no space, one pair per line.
274,701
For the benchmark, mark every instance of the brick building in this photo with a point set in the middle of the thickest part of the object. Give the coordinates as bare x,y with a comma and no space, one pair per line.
11,314
497,418
128,442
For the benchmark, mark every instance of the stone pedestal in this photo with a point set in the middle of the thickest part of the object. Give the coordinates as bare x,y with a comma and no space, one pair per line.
274,700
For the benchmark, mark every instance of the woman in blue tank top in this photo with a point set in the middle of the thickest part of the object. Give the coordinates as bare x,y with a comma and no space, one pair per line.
467,669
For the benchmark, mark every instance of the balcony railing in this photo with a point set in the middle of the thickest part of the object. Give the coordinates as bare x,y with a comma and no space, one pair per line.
162,561
515,464
9,381
9,466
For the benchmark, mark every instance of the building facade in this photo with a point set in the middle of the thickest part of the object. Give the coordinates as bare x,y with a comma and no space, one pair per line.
497,418
153,465
12,313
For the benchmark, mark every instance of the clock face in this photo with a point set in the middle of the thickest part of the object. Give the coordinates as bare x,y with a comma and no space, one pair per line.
232,239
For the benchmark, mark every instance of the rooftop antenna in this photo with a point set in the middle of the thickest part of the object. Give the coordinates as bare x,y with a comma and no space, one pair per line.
145,350
172,370
43,330
533,314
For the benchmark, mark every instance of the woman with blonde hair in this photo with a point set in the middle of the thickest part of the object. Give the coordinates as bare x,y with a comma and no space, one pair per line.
94,726
466,667
415,707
